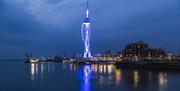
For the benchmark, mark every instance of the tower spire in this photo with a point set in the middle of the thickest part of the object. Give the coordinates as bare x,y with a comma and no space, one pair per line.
87,4
87,9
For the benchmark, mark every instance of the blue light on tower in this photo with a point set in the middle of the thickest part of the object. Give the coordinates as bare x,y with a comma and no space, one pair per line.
85,31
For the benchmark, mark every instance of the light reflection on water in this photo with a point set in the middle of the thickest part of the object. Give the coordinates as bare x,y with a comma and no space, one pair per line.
136,78
162,78
85,76
38,69
105,75
70,77
32,71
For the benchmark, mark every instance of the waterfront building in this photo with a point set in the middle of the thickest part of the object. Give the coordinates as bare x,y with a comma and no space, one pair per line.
155,54
100,57
178,58
170,57
86,31
138,51
134,51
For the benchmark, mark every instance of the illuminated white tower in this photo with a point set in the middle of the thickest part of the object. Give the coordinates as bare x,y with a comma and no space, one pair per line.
86,32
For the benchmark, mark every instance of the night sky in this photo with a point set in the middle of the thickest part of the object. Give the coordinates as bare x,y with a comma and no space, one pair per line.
52,27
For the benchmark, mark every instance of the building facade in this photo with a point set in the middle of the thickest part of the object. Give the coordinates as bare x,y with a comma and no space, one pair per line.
140,51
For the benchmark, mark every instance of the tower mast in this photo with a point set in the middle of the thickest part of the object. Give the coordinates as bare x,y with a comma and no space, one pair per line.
87,9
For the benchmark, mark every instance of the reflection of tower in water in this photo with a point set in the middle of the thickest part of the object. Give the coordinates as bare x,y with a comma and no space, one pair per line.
84,74
104,73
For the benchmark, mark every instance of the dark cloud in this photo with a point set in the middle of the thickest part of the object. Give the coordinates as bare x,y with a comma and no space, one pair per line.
52,27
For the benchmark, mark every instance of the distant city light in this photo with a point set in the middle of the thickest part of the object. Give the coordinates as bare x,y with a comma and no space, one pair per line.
32,70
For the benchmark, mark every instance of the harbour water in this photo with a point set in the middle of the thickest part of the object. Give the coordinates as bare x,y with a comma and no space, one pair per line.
20,76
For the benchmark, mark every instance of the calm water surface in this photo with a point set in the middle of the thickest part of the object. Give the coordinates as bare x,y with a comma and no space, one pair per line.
18,76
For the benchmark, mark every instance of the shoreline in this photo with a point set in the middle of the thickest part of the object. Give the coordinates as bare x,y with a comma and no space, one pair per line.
171,65
174,65
149,65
